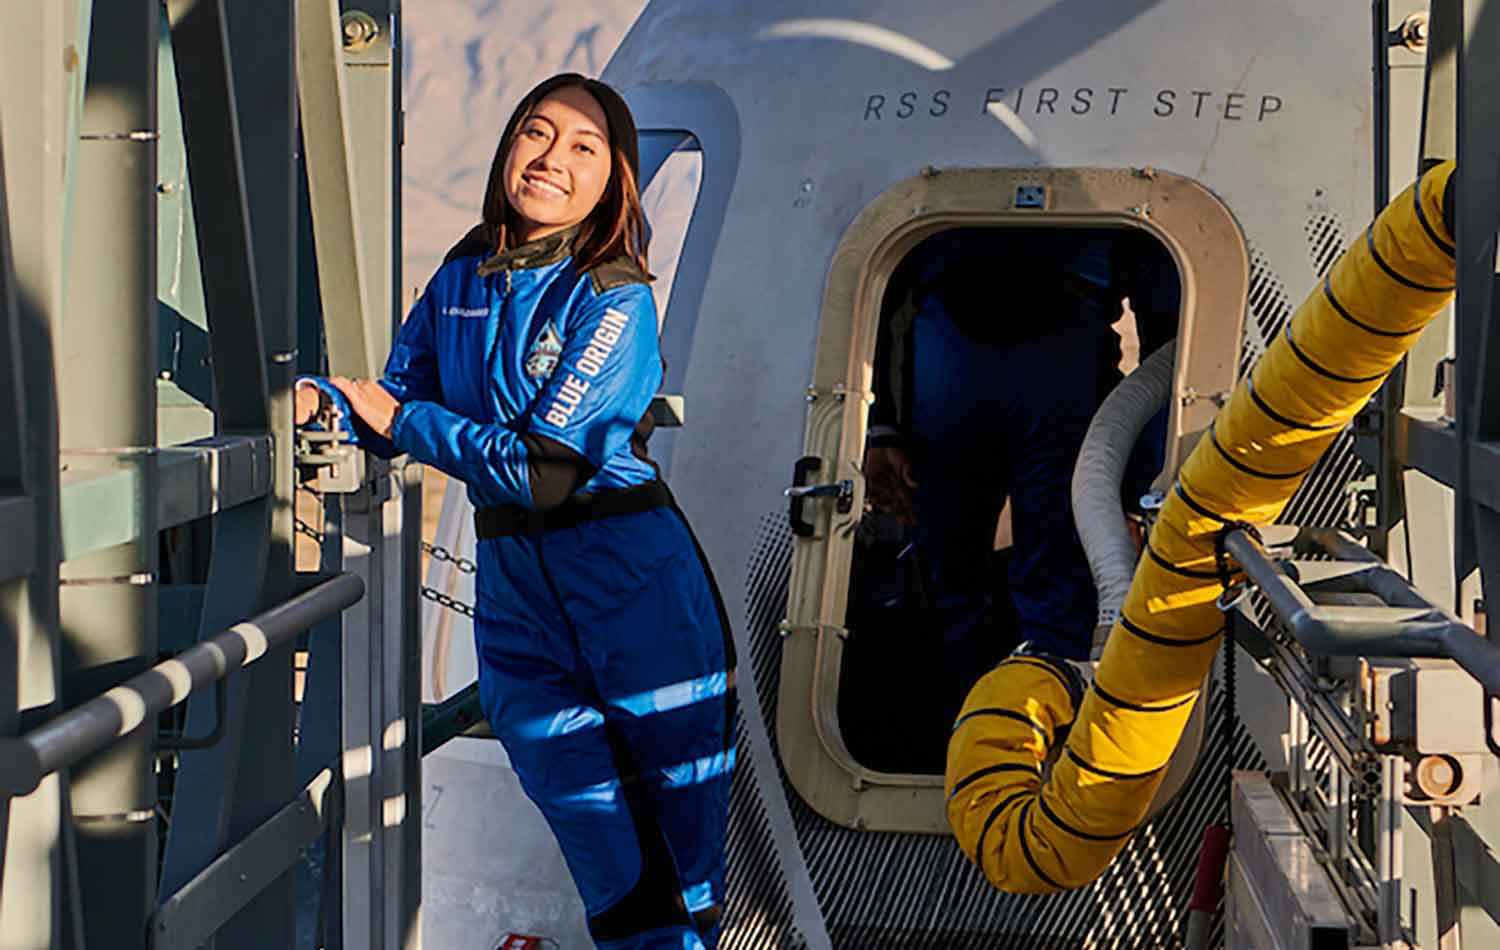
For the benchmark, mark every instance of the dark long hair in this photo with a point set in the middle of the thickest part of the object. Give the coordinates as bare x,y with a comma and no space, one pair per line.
617,226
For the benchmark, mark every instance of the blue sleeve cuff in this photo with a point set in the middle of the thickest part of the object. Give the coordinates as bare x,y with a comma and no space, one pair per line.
355,429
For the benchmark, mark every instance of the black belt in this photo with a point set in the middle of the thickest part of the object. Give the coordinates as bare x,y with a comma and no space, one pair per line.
505,520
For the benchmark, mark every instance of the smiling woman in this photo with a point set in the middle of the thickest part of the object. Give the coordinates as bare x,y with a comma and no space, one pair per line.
526,371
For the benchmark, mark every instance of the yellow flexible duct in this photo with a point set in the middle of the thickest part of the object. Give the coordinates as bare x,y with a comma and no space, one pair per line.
1035,837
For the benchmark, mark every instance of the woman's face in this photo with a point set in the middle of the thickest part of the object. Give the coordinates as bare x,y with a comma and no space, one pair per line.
559,163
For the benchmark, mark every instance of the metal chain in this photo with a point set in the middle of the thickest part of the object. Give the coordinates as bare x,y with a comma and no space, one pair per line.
463,564
302,527
443,600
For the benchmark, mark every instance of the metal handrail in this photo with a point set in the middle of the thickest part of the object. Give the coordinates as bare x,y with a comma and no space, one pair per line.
1416,628
107,718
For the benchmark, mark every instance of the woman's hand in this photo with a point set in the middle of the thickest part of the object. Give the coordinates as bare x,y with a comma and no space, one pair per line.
305,403
370,402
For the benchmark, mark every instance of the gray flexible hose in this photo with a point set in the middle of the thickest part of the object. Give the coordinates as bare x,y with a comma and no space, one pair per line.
1097,512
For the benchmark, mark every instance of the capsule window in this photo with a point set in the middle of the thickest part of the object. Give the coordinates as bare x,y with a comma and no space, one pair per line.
672,169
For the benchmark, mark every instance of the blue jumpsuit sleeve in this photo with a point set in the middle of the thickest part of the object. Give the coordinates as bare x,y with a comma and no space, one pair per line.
411,372
608,371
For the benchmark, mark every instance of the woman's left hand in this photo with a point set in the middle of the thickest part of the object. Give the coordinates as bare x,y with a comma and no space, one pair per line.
370,402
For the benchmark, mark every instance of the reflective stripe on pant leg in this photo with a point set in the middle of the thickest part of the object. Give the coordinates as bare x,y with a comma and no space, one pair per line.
554,734
661,655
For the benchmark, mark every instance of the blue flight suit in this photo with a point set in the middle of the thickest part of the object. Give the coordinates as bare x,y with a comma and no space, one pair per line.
605,664
1004,352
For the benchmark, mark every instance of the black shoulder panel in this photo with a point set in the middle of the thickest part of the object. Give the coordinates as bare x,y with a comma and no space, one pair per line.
616,273
473,244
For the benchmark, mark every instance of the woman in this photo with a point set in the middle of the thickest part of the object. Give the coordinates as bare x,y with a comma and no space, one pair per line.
526,370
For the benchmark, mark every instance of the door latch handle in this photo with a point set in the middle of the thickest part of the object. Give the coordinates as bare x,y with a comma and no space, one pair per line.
842,492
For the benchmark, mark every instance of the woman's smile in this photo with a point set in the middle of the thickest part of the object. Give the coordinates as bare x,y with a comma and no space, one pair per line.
542,188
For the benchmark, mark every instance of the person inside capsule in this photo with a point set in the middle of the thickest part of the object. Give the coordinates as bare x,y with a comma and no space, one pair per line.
606,667
995,348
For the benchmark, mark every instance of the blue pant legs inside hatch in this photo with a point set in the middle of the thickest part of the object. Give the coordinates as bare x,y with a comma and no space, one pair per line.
991,422
604,671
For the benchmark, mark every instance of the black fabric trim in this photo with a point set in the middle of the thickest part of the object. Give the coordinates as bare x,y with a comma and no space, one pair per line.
1339,309
1052,817
998,769
1450,198
1105,773
1159,640
554,471
1416,201
1167,565
708,918
1136,707
730,656
656,899
476,243
988,822
618,272
1275,416
1026,849
1321,371
1391,271
1005,714
1197,508
502,521
1241,466
1072,687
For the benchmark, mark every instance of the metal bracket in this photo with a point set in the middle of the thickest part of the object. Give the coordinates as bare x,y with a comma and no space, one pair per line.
329,462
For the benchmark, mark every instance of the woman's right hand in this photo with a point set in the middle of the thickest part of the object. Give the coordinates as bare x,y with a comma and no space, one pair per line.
305,401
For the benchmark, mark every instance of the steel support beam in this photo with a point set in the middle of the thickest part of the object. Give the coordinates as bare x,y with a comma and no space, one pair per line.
1440,101
362,533
349,83
262,45
102,495
404,701
1477,526
338,231
1431,447
1412,113
210,120
43,52
205,904
1478,198
209,819
18,526
106,372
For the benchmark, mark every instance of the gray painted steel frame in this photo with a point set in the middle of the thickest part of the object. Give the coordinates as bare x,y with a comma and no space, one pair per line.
107,410
248,774
43,52
242,188
350,106
1477,525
